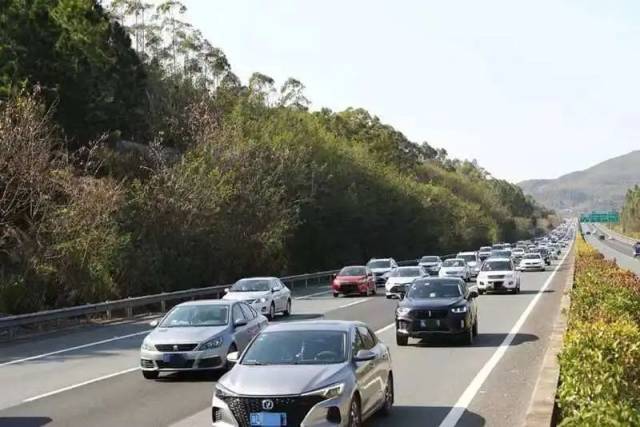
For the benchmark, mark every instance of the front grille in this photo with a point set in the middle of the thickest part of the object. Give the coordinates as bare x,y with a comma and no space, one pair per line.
211,362
186,364
497,285
175,347
348,287
496,277
145,363
429,314
430,326
397,288
296,408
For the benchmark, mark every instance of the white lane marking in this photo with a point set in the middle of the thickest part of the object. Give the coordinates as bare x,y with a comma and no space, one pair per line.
352,303
312,295
472,389
78,347
71,387
389,326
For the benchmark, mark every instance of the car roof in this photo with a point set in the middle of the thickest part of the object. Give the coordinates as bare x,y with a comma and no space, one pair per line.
314,325
467,253
455,259
258,278
354,266
497,259
381,259
208,302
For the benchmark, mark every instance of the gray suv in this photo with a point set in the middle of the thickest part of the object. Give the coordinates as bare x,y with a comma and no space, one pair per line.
314,374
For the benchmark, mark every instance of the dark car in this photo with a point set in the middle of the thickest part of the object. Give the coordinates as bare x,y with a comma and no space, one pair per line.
437,306
354,280
546,255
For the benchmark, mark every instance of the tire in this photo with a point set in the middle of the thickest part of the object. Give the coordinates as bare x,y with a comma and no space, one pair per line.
355,413
481,291
389,397
467,337
287,311
402,340
388,296
150,375
336,295
517,291
272,312
475,328
374,291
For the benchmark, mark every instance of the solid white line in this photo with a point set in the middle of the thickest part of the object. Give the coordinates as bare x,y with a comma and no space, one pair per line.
352,303
312,295
65,350
472,389
389,326
71,387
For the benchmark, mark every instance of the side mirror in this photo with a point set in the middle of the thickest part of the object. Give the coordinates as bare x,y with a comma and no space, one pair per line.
226,290
232,358
273,290
473,294
333,276
154,323
239,322
364,356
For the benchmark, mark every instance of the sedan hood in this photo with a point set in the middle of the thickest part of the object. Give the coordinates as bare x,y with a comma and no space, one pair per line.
349,278
243,296
380,270
400,280
186,335
430,303
278,380
452,269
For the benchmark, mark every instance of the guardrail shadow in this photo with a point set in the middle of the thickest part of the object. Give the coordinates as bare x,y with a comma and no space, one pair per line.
482,340
24,421
424,416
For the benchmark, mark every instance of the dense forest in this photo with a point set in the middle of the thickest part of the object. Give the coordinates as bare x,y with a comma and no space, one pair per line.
133,160
630,216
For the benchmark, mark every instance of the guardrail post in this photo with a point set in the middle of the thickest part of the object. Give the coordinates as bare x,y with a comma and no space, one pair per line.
163,306
108,313
306,283
129,312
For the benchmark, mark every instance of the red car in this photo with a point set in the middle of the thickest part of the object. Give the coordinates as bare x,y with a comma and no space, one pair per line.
354,280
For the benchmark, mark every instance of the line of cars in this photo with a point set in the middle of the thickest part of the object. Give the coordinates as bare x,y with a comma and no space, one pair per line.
338,373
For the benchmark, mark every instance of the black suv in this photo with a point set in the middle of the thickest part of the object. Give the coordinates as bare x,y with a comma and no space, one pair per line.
437,306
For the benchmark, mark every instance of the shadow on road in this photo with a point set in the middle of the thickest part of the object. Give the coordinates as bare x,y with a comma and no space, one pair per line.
424,416
533,291
24,421
482,340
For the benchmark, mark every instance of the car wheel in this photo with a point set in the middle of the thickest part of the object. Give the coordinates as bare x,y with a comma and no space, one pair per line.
272,312
227,365
388,296
150,375
402,340
481,291
475,328
467,337
374,291
388,397
287,311
355,415
335,295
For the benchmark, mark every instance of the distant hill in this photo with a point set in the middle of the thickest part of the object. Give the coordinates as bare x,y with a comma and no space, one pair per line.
600,187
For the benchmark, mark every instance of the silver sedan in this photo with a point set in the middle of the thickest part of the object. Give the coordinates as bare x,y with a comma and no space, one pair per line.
198,335
315,374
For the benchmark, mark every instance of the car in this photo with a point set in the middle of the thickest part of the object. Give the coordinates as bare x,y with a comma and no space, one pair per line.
498,274
268,295
532,261
517,254
473,261
484,252
601,236
544,252
455,267
636,250
501,253
400,278
437,306
381,267
431,264
354,280
314,373
198,335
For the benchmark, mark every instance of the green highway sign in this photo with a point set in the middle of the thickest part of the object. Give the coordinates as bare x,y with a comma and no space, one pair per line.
611,216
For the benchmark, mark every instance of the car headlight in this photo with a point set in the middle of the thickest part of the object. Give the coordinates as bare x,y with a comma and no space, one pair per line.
211,344
329,392
222,392
462,309
262,300
147,346
401,311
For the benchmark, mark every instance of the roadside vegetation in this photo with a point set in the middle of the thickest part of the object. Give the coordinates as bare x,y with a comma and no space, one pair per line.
133,160
630,216
600,362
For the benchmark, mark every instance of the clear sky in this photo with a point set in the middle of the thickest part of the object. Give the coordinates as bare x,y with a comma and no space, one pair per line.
531,89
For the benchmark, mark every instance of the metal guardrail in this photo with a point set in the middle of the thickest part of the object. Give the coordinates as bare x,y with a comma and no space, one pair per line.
10,324
617,236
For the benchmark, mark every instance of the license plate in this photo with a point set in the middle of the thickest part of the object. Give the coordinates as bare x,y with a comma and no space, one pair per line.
430,323
268,419
172,358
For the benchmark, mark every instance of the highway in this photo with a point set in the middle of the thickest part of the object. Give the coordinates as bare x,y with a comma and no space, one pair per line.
90,376
615,249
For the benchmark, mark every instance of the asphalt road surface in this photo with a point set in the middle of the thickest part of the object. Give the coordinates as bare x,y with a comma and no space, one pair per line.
90,376
618,250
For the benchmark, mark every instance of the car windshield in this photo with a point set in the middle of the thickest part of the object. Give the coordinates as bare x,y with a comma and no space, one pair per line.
424,289
379,264
196,315
429,259
532,256
468,257
501,254
453,263
353,271
496,266
297,348
251,285
485,249
406,272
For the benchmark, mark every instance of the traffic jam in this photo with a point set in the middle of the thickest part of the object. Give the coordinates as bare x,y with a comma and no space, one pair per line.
332,372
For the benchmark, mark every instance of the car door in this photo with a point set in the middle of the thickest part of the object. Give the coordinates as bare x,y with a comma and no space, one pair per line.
253,325
378,380
365,372
371,281
277,289
240,332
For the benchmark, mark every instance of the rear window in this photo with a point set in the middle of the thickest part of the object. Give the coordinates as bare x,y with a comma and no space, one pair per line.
379,264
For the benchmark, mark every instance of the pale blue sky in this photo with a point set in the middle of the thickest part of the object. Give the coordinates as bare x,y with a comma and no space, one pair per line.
530,89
